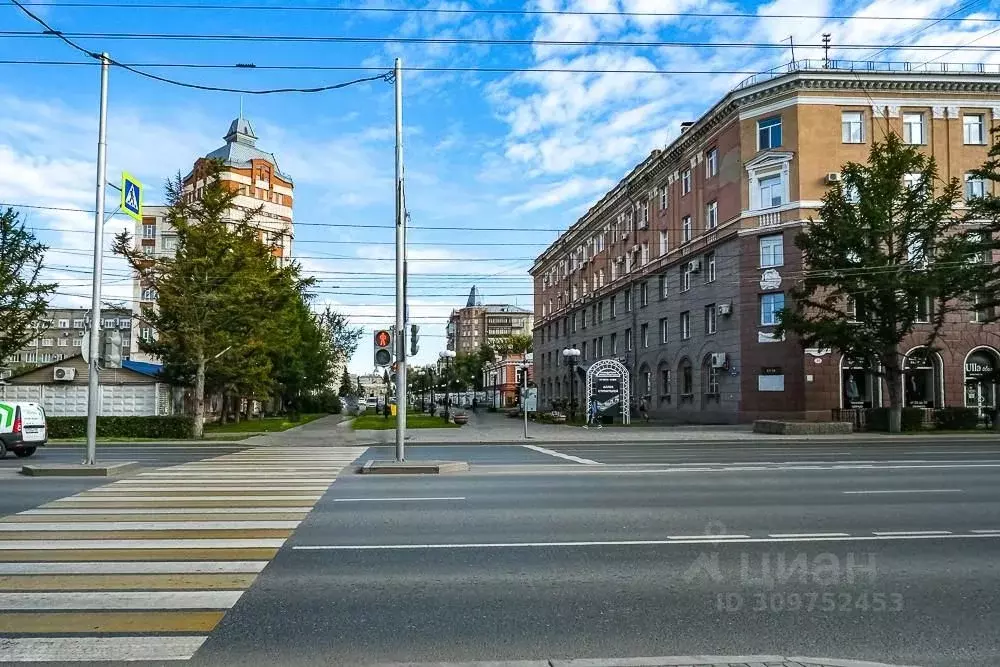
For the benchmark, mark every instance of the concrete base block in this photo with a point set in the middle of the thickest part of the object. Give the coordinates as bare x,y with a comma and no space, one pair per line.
413,467
775,427
79,469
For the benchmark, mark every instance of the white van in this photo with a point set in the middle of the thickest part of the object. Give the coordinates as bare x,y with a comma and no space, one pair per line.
22,428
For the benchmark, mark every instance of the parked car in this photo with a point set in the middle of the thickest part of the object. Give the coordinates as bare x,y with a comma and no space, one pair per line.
23,428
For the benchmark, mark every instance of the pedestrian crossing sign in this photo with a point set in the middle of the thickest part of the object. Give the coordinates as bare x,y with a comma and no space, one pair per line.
131,196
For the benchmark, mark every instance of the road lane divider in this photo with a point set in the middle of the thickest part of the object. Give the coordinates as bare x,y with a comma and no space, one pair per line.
144,568
560,455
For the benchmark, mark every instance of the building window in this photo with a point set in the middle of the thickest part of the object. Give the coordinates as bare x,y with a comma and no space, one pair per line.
972,129
710,321
77,342
913,128
771,191
687,379
613,306
685,325
148,293
64,342
712,388
600,346
664,198
614,343
663,286
47,342
600,312
583,350
712,215
852,127
644,215
974,187
685,181
663,330
665,388
770,304
710,267
628,300
686,229
628,340
149,231
574,323
644,335
922,310
664,242
772,251
77,324
769,133
643,295
711,162
685,276
913,181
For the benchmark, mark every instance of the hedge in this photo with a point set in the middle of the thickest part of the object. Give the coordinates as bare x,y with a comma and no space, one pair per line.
877,419
173,426
956,418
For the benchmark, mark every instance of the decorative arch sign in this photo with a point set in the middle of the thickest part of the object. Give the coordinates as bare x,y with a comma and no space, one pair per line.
608,384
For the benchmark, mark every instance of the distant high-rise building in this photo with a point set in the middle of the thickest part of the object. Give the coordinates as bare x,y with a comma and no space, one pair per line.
477,324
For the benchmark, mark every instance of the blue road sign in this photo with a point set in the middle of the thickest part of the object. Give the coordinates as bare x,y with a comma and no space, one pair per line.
132,196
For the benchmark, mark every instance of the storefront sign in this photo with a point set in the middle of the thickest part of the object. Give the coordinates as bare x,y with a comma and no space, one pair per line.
770,370
608,394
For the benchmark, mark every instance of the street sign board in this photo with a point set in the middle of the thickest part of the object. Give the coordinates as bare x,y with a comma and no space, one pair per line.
132,196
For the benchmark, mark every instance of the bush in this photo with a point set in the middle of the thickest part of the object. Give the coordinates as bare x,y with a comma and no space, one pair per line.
956,418
173,426
877,419
324,401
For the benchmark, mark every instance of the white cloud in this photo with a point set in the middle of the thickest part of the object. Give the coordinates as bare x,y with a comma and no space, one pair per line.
551,195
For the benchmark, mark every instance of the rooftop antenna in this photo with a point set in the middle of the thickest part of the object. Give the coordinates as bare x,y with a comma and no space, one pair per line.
826,50
792,44
241,107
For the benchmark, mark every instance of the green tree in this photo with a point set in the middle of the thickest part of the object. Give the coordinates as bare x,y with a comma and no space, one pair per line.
23,296
345,384
889,249
223,299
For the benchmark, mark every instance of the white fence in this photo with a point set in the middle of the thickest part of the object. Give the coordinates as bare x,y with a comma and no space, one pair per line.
129,400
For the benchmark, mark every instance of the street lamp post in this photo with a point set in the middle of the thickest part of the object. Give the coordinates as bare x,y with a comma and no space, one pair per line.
572,357
447,356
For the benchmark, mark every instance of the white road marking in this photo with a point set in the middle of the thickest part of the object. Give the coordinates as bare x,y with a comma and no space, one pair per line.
889,533
83,511
153,525
707,538
107,498
43,545
629,543
987,531
98,649
136,567
386,500
93,600
560,455
882,491
214,488
612,469
807,534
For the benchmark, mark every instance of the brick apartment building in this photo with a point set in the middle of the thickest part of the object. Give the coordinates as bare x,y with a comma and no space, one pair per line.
679,270
471,327
255,175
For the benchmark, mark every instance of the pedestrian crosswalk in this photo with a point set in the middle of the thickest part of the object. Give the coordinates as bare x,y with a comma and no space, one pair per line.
144,568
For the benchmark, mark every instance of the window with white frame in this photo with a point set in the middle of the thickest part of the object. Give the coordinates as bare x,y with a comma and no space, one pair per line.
628,340
712,388
913,181
772,251
710,267
643,295
974,187
711,162
685,276
614,271
664,242
913,128
644,335
149,231
768,133
686,229
600,278
663,330
613,306
972,129
77,342
663,285
614,343
47,342
712,215
77,324
771,190
664,198
685,181
64,342
923,309
710,319
770,304
685,325
644,215
852,125
64,324
645,253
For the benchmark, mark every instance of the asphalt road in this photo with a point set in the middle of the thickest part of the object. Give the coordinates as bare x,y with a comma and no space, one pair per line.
899,562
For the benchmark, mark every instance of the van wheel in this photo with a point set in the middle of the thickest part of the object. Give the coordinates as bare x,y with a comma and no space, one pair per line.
24,453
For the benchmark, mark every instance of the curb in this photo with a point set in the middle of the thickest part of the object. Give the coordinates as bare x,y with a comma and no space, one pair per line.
661,661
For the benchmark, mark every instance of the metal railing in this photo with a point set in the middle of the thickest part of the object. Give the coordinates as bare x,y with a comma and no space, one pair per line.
867,66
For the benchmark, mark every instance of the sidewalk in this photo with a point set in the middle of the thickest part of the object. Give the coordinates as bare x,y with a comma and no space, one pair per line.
323,432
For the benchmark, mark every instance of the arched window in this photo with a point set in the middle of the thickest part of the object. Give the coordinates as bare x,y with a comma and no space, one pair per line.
711,377
664,383
858,384
922,379
685,380
981,365
645,382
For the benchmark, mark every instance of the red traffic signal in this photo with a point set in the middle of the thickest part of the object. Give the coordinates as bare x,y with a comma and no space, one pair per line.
382,338
383,354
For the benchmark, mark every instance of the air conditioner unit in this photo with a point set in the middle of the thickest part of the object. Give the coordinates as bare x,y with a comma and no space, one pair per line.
725,309
833,177
63,374
718,360
694,266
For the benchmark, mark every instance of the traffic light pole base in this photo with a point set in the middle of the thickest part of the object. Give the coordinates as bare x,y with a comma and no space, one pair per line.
413,467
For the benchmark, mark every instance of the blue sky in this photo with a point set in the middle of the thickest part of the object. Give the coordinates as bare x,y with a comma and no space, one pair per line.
523,151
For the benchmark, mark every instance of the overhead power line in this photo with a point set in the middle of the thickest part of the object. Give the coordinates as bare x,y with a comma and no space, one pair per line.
355,9
333,39
50,31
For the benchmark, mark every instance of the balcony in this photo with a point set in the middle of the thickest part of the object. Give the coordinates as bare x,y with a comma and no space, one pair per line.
769,219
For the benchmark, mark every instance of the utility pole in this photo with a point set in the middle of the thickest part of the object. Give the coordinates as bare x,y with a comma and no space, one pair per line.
524,393
826,50
95,300
400,272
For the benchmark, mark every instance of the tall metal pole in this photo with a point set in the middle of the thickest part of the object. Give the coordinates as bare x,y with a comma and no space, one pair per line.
524,394
400,272
95,299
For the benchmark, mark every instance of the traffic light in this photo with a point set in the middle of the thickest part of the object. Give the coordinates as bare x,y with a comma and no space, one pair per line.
383,348
414,340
